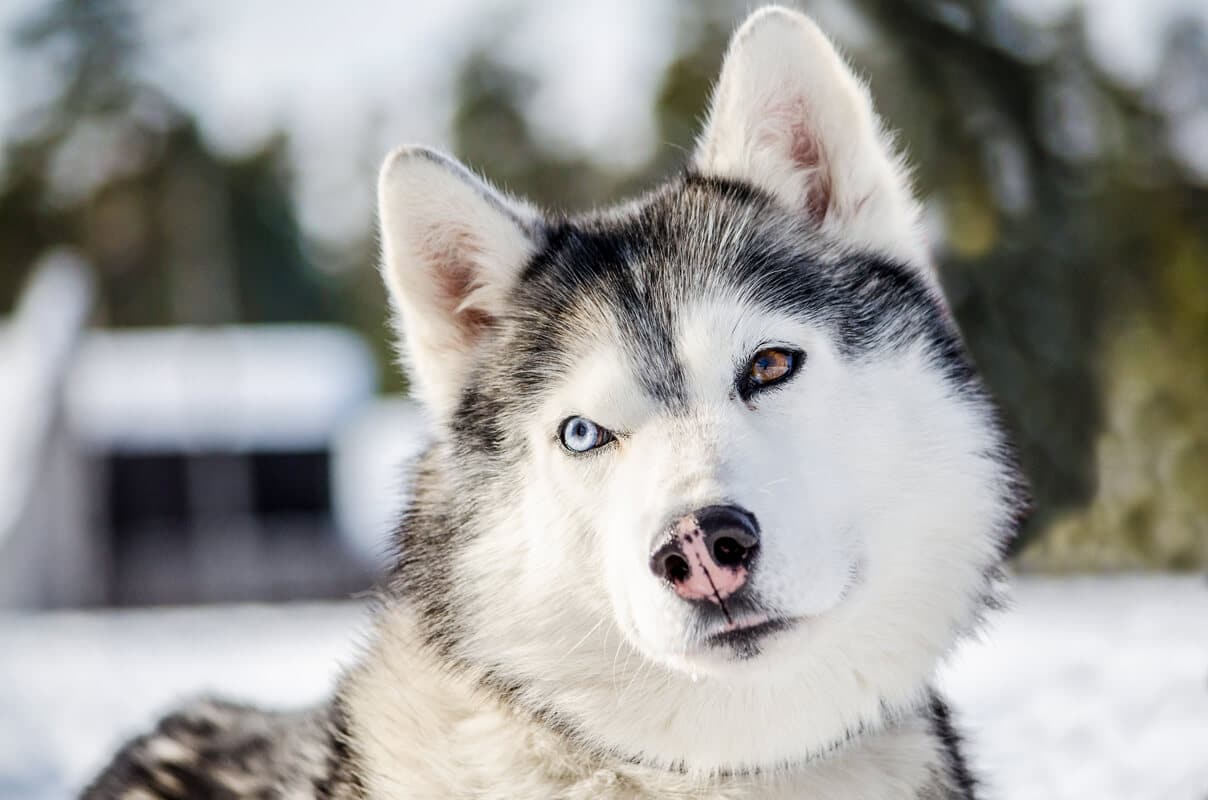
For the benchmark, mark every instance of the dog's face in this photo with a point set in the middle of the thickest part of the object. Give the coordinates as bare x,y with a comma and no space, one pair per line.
708,456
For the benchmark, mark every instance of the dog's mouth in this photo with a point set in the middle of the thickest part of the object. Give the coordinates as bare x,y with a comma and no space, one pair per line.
745,635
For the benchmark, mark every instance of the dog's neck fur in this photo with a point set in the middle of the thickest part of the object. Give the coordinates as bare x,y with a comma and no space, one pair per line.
420,728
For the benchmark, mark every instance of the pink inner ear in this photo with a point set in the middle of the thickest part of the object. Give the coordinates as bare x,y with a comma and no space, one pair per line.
455,282
454,256
806,154
786,127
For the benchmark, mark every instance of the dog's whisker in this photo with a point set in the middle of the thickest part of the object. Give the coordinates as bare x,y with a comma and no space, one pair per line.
579,643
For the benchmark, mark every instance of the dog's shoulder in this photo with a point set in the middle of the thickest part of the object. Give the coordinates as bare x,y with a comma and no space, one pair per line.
215,749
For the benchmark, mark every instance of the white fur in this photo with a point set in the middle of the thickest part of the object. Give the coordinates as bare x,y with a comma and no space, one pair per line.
427,733
784,92
843,468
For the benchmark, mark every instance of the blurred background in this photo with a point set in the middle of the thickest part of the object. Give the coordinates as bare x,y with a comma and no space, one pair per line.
198,403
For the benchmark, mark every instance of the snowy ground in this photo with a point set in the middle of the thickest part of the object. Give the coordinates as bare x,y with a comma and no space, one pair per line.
1090,689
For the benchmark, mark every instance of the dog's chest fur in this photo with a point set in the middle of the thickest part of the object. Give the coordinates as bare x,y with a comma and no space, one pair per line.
404,726
419,730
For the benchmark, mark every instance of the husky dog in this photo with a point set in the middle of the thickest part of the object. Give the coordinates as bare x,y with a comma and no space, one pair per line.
713,487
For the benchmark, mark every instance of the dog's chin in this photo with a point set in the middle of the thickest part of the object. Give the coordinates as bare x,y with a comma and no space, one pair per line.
745,639
731,649
733,644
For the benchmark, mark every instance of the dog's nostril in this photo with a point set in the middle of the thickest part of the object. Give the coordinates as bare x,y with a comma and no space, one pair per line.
676,567
670,563
731,535
727,552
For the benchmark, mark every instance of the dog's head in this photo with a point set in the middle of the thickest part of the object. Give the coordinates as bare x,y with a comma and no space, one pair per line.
714,483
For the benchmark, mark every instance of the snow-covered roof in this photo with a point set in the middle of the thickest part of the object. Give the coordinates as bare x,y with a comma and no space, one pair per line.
270,387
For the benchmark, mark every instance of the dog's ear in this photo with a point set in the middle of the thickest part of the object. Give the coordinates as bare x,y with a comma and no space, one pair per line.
789,116
452,247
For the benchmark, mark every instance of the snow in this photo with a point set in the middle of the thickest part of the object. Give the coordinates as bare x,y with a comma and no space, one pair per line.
1092,688
1088,688
74,685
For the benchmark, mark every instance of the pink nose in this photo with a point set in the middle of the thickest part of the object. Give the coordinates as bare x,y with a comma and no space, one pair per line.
708,553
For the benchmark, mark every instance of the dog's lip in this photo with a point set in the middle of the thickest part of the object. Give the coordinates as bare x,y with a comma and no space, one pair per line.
749,628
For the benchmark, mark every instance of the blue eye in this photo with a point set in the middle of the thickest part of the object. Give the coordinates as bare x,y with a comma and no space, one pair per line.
579,434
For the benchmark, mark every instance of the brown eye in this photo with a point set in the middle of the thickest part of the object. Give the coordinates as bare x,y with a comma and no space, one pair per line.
768,367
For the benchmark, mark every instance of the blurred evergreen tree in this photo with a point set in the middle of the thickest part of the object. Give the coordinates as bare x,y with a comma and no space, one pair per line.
492,134
1066,219
1024,258
176,232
